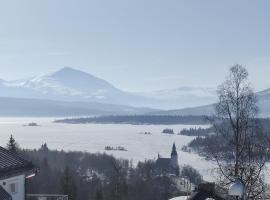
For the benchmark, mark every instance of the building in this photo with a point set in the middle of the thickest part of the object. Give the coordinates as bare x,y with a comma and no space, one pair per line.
206,191
168,165
14,170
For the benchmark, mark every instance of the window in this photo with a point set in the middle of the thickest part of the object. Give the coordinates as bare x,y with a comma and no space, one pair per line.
14,188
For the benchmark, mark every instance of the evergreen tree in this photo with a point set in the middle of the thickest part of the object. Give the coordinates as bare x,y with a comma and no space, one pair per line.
99,194
12,144
68,185
44,147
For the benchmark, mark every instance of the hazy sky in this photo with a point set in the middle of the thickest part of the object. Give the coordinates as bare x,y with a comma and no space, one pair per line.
138,45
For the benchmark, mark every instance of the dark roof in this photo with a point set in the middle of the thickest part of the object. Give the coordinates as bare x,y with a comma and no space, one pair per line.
4,195
202,195
206,190
163,163
199,196
12,163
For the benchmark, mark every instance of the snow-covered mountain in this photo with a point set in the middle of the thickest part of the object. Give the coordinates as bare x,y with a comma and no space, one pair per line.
263,103
185,91
69,84
183,97
66,84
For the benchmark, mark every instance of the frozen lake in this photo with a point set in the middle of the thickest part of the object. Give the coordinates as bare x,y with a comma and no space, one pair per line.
94,137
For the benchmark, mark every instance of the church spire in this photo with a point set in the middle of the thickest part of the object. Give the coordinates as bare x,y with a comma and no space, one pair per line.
174,152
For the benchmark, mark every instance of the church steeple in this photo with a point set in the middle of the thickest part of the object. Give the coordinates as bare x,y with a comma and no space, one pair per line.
174,152
174,160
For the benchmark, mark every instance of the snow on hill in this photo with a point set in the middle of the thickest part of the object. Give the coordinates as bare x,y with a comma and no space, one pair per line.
185,91
263,104
183,97
69,84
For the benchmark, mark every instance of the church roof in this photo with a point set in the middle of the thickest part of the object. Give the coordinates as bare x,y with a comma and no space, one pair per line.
163,163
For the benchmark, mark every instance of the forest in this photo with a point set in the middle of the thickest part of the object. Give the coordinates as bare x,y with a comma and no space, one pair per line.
196,131
96,176
138,119
207,137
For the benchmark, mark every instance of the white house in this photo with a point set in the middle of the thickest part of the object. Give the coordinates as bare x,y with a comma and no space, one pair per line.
14,170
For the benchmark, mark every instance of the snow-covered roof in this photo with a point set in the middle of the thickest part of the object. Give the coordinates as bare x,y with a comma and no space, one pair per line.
180,198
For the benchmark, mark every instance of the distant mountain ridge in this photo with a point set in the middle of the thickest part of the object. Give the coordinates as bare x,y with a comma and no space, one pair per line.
69,89
68,84
184,96
65,84
19,107
263,105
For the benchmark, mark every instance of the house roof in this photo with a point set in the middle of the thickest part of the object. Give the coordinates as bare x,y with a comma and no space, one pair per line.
203,195
4,195
11,163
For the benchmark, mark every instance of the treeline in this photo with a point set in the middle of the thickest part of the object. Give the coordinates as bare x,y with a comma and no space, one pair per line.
196,131
87,176
118,148
138,119
201,144
168,131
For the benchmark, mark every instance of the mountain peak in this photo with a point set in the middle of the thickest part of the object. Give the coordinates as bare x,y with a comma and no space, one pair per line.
77,80
72,74
69,70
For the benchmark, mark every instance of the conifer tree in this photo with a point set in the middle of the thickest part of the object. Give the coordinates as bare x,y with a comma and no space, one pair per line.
12,145
99,194
68,185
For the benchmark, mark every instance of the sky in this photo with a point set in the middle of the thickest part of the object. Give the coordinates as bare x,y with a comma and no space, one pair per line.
137,45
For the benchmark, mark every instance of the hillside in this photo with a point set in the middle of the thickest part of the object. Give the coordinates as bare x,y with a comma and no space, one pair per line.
263,104
19,107
68,84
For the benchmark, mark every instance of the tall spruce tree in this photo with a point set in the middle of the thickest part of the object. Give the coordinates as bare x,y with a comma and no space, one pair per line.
68,185
12,145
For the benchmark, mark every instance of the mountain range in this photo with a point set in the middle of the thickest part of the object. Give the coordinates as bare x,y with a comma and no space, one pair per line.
71,92
22,107
69,86
263,103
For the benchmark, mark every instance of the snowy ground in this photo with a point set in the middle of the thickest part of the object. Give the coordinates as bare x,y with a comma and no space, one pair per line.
94,137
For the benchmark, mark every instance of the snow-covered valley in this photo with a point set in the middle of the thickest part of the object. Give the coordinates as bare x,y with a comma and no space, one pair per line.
94,137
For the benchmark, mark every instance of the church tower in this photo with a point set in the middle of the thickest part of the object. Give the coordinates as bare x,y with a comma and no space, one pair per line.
174,157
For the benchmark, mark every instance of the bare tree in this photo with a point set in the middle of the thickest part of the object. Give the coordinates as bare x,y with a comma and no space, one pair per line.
239,147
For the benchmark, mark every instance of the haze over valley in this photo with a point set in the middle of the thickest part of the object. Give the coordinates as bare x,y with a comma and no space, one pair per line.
71,92
54,92
134,100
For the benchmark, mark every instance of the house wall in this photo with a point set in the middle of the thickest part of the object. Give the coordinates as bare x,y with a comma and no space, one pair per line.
19,182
